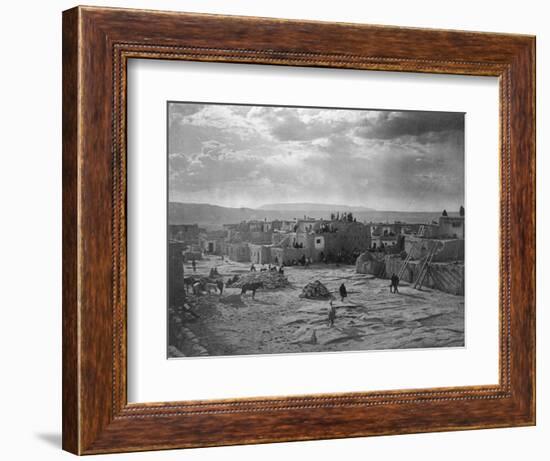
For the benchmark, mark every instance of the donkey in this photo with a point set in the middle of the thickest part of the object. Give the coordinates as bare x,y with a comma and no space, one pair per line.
251,287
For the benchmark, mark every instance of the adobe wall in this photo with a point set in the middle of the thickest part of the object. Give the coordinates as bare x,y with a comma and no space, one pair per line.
287,255
192,255
259,254
449,250
371,263
445,276
238,252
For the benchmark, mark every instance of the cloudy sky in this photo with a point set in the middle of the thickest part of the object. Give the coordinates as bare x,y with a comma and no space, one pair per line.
248,156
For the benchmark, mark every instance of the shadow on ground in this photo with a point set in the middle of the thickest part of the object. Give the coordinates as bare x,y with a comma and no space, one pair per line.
50,438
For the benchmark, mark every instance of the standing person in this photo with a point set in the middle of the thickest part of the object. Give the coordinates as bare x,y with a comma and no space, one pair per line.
194,264
219,284
331,314
392,282
396,284
253,268
343,292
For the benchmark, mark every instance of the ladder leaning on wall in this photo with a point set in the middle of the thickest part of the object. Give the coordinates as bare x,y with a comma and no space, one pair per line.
407,259
424,269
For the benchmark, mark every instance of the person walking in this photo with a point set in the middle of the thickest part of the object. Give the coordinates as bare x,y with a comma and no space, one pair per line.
343,292
331,314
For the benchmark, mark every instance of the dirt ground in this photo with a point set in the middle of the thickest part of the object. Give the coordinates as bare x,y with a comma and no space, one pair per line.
279,321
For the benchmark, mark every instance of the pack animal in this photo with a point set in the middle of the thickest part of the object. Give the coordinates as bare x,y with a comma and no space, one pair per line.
251,287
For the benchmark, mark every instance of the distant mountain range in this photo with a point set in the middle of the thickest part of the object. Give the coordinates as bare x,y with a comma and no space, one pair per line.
208,215
203,213
331,208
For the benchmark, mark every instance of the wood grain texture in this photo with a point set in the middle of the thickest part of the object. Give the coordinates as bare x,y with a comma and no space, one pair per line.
97,43
70,384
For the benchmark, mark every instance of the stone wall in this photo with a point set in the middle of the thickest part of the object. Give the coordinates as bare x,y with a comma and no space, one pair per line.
182,342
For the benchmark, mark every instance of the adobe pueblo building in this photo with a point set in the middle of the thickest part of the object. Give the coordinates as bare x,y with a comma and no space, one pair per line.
425,255
430,255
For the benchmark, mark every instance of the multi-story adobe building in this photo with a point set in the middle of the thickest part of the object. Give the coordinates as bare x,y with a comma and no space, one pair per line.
187,233
213,242
451,227
319,240
260,254
238,251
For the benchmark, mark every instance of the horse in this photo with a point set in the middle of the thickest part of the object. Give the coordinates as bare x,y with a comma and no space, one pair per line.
251,287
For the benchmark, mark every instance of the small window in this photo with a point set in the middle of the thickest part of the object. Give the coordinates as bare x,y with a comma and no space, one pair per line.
318,240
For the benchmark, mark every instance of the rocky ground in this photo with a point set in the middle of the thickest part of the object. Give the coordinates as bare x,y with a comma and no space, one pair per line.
279,321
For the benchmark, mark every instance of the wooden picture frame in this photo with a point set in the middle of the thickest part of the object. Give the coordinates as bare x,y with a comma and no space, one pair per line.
97,43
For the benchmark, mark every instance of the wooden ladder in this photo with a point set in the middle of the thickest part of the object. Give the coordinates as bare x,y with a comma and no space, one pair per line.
406,261
425,267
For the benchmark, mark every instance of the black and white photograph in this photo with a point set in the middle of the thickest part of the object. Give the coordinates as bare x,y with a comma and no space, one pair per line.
313,229
275,230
